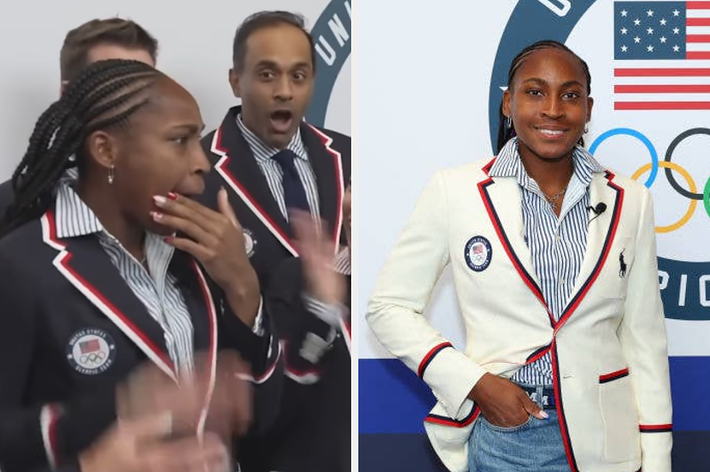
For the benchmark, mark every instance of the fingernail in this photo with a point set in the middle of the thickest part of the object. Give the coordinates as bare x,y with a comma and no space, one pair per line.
172,196
156,215
544,415
159,200
167,239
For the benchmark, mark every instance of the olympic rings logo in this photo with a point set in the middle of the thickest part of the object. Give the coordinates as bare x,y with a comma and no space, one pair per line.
669,166
93,358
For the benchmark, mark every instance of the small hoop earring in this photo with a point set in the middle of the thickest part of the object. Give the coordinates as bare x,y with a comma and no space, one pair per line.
508,122
111,174
586,129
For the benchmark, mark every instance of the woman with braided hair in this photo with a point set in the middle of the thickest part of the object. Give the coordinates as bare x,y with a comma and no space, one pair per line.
565,366
118,268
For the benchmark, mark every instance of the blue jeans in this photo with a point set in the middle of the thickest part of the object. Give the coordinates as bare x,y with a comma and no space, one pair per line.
533,446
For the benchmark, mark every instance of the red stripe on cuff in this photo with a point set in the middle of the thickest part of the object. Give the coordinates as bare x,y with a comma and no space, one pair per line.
656,428
446,421
430,356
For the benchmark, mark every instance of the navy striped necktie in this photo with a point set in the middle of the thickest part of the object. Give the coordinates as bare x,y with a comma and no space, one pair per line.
294,192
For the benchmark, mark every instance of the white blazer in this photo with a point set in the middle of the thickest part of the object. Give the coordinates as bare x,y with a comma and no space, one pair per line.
608,348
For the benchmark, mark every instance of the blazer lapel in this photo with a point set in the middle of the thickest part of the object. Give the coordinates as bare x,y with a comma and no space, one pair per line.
84,263
198,299
238,167
328,168
502,200
203,313
600,237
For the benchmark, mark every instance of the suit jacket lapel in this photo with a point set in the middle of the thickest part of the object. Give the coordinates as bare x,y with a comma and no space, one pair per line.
203,313
502,199
199,301
237,166
84,263
328,168
600,236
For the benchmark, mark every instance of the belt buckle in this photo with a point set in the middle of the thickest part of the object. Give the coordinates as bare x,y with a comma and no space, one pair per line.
540,396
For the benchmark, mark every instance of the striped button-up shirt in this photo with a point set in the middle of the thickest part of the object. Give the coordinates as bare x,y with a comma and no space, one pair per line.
273,173
151,283
556,244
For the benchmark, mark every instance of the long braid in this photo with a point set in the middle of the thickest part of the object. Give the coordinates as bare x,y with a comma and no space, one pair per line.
505,133
105,95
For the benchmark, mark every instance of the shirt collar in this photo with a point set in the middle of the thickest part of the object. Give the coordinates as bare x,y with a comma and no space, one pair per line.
508,164
74,218
263,151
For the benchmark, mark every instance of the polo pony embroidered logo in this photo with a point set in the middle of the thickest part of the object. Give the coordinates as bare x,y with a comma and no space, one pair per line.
622,264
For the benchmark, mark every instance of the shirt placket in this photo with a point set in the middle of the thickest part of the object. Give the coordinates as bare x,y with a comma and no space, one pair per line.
157,302
158,260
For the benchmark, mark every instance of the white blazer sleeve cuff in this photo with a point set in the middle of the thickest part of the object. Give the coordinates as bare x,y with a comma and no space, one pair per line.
656,449
451,376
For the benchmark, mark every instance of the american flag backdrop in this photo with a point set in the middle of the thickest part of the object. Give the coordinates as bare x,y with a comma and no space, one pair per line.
661,55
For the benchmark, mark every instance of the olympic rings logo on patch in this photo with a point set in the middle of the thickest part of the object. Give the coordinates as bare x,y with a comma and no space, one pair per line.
669,166
91,351
94,358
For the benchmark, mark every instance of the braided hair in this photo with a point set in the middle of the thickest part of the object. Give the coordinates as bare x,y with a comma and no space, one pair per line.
104,96
505,132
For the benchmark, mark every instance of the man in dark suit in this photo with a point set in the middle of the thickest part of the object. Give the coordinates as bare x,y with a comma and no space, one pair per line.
272,162
95,40
264,153
314,430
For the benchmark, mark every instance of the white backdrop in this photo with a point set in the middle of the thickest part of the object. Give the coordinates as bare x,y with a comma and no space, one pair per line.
195,49
427,108
435,117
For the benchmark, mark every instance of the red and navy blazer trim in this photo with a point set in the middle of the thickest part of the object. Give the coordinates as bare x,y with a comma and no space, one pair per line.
537,354
606,378
564,429
656,428
500,231
527,278
613,225
446,421
430,356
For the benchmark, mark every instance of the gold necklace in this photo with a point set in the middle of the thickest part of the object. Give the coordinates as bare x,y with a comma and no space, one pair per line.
553,200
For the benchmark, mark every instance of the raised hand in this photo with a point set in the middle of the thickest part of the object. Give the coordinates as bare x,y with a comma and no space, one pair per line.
316,250
216,239
139,445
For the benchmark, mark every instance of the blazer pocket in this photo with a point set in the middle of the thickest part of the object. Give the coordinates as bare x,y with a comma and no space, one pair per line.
622,441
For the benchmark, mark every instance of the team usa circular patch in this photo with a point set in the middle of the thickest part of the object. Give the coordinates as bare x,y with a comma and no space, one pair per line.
91,351
478,253
249,242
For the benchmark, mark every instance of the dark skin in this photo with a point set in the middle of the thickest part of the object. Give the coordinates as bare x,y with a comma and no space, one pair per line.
158,165
275,83
549,106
